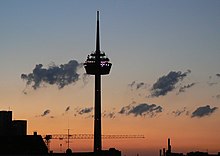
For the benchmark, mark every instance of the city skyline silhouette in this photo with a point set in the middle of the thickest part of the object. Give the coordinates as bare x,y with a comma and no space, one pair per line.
164,82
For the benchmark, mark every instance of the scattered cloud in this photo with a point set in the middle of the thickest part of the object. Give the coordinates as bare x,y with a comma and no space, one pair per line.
203,111
125,109
85,110
212,83
212,80
183,88
111,114
24,92
85,78
138,85
218,96
45,113
61,75
180,112
142,110
67,109
167,83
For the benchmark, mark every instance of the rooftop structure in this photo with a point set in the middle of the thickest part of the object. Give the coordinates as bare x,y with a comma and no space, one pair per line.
10,127
5,122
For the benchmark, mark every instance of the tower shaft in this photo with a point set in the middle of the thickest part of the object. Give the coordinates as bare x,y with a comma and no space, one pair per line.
97,117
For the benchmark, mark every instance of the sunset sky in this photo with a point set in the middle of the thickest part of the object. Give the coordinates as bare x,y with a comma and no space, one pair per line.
164,82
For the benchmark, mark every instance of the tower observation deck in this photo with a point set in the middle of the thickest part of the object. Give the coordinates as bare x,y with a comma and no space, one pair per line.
97,63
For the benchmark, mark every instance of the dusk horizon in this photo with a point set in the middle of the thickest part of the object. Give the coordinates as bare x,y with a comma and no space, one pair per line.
157,63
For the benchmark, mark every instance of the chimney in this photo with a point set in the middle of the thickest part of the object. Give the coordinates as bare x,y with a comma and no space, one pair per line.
160,152
164,152
169,146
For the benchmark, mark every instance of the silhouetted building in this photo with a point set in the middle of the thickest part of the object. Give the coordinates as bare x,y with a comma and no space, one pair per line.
22,144
14,139
19,127
10,127
164,151
197,154
169,147
170,153
202,154
5,123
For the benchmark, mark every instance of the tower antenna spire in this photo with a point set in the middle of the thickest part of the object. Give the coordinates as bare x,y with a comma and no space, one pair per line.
97,35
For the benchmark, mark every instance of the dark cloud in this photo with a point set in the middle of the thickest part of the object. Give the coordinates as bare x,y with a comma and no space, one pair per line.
45,113
137,85
180,112
61,76
67,109
218,75
167,83
203,111
183,88
85,110
142,110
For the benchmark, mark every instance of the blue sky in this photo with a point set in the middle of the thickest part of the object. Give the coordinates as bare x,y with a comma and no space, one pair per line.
175,33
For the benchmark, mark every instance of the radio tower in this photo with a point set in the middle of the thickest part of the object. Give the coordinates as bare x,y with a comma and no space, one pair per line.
97,64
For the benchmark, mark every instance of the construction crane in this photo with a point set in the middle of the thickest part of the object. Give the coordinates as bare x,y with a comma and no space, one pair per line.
89,136
85,136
